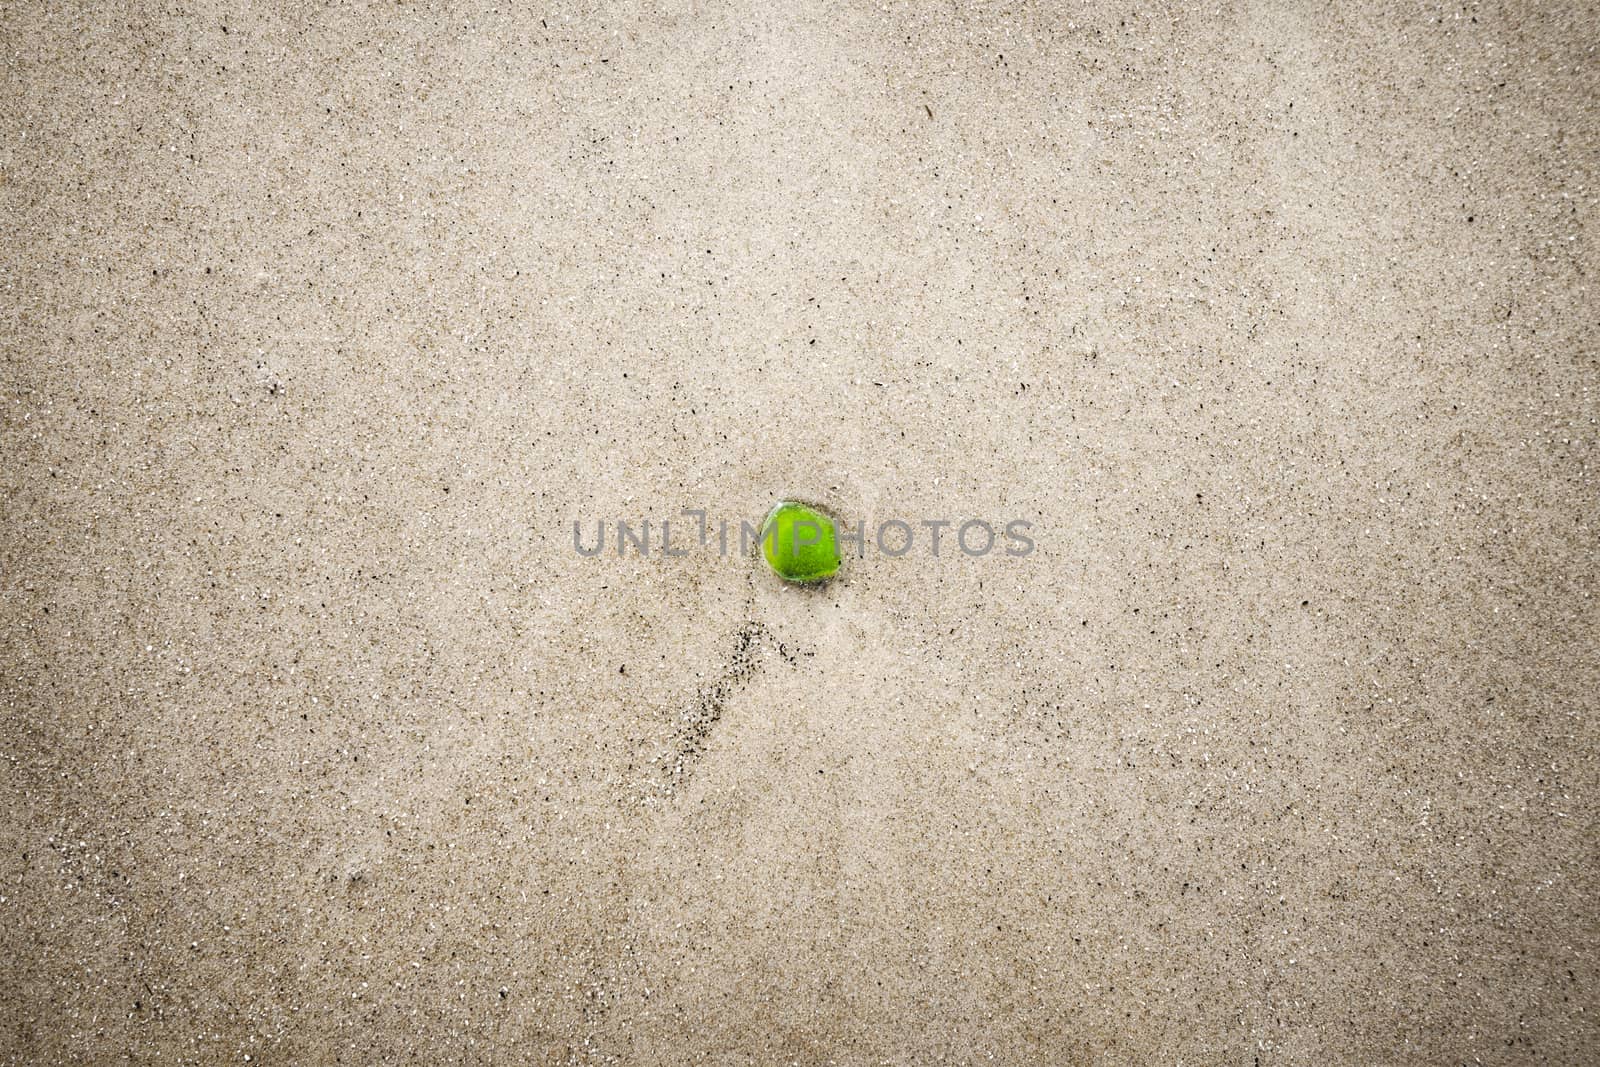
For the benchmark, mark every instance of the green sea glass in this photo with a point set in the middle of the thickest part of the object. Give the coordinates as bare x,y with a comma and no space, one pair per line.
800,543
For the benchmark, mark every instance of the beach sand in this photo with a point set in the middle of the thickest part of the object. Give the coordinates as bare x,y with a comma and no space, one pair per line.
323,325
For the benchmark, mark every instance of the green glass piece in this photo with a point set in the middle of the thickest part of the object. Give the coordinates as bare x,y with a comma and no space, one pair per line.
800,543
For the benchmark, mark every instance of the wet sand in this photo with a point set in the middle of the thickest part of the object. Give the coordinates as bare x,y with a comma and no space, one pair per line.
323,326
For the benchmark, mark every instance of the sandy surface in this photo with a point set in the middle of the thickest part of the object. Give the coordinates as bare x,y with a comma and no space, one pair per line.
322,325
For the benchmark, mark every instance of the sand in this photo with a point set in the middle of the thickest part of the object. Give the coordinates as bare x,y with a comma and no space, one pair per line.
323,325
